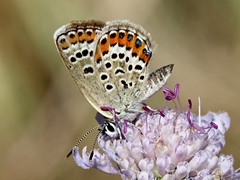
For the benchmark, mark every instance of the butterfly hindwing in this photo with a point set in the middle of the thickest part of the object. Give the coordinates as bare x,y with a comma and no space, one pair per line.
122,56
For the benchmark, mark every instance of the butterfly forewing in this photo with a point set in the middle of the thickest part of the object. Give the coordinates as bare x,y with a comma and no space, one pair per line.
76,43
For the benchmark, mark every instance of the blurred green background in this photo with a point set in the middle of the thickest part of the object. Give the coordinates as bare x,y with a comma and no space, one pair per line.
43,113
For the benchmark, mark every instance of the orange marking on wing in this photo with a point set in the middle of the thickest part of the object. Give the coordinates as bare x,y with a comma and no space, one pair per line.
114,40
81,37
105,47
147,60
138,50
131,44
73,40
91,37
63,44
144,57
142,46
122,41
98,55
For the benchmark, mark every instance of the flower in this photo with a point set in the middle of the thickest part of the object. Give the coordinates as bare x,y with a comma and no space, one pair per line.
165,144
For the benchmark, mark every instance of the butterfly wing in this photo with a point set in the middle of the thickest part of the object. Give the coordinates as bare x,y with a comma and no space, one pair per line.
123,54
156,81
109,62
76,43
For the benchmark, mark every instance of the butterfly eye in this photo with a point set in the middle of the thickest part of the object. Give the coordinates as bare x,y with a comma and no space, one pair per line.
110,129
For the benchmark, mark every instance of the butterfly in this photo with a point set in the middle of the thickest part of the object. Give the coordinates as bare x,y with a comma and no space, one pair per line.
109,61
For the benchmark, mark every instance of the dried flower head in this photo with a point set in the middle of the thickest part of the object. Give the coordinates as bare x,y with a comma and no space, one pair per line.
165,144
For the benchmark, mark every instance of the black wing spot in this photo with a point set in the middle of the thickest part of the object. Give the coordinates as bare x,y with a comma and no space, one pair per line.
108,65
130,84
130,67
85,52
62,40
73,59
104,77
89,33
88,70
104,53
80,33
119,71
72,35
114,56
112,45
144,51
91,53
78,55
125,86
121,55
103,41
99,60
127,59
109,87
90,41
134,54
113,35
138,67
141,77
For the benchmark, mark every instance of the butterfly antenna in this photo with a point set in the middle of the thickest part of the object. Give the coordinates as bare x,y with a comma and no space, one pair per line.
94,143
82,138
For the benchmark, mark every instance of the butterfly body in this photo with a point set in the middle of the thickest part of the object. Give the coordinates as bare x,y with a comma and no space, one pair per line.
110,64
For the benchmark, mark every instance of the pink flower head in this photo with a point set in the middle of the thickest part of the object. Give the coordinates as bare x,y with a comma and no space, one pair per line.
165,144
